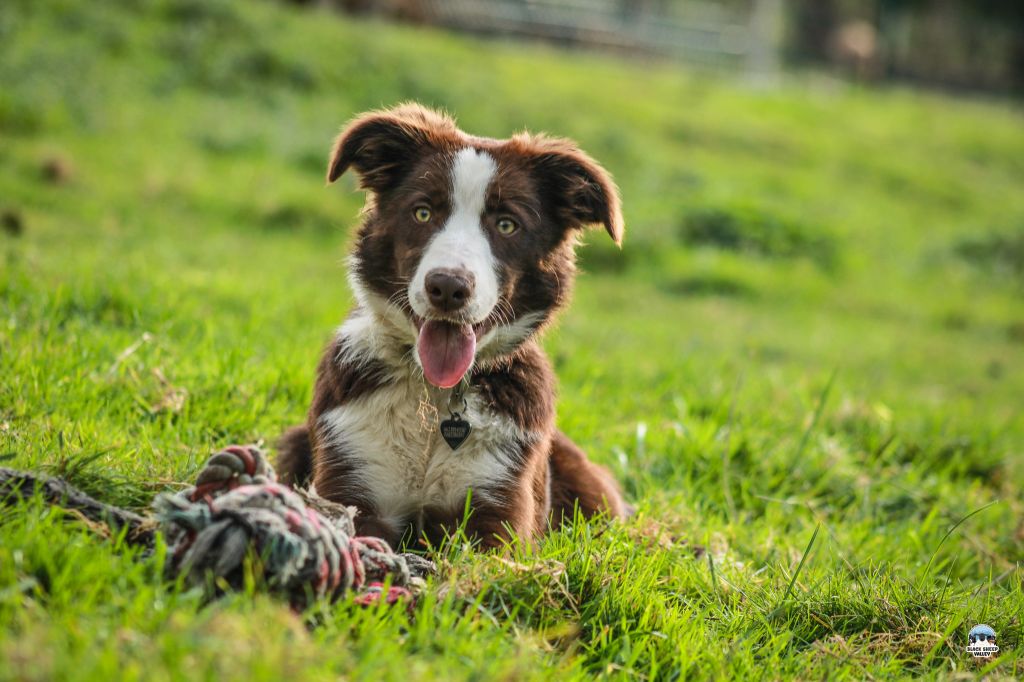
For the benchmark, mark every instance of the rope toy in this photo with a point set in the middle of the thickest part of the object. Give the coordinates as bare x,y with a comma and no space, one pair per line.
305,546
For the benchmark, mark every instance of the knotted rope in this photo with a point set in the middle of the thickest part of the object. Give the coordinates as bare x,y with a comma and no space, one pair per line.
305,546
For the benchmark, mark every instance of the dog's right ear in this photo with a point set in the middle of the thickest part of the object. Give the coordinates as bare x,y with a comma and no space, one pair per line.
379,145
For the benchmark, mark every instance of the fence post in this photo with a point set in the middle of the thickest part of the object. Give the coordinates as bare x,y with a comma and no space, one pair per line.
763,52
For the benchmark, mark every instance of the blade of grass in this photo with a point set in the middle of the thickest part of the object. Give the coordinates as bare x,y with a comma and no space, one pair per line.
799,568
927,568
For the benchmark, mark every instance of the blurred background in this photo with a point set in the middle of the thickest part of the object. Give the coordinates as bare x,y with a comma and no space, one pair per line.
975,45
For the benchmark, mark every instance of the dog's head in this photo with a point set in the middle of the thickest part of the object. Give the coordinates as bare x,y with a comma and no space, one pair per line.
467,243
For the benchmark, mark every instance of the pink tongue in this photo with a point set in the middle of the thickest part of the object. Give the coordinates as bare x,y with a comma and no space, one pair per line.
446,351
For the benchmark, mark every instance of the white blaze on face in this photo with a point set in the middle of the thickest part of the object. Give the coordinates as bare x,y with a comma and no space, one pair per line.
462,244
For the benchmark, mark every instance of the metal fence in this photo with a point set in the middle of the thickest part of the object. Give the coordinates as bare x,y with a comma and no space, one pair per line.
707,33
956,43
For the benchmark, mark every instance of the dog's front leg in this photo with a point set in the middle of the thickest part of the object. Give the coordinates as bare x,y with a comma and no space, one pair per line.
494,524
489,526
368,525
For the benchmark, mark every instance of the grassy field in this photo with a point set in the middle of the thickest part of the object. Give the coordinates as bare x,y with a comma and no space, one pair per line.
808,358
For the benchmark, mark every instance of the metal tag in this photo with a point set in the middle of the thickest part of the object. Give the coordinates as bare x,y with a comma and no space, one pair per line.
455,431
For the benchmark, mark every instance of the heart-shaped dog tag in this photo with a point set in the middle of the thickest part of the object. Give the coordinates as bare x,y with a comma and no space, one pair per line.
455,431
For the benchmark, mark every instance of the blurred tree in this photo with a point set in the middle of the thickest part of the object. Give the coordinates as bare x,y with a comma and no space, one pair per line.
959,43
813,22
1010,13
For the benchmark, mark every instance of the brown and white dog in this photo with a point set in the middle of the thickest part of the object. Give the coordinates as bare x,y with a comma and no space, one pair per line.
465,253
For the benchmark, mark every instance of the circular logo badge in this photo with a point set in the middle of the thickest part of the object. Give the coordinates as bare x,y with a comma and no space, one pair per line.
981,642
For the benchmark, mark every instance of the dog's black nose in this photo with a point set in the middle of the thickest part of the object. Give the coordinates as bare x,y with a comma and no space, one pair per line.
449,290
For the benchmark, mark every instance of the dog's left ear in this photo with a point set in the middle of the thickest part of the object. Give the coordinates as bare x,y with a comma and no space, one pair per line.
581,190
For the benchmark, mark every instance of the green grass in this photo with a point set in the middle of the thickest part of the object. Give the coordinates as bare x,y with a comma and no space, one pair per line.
808,358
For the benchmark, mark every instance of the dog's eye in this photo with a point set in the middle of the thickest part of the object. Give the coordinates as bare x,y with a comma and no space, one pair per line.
506,226
421,213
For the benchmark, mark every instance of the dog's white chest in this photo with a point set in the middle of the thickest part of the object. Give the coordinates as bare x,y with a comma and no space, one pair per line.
392,436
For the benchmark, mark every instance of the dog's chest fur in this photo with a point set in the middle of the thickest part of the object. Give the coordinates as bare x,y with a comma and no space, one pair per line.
391,443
